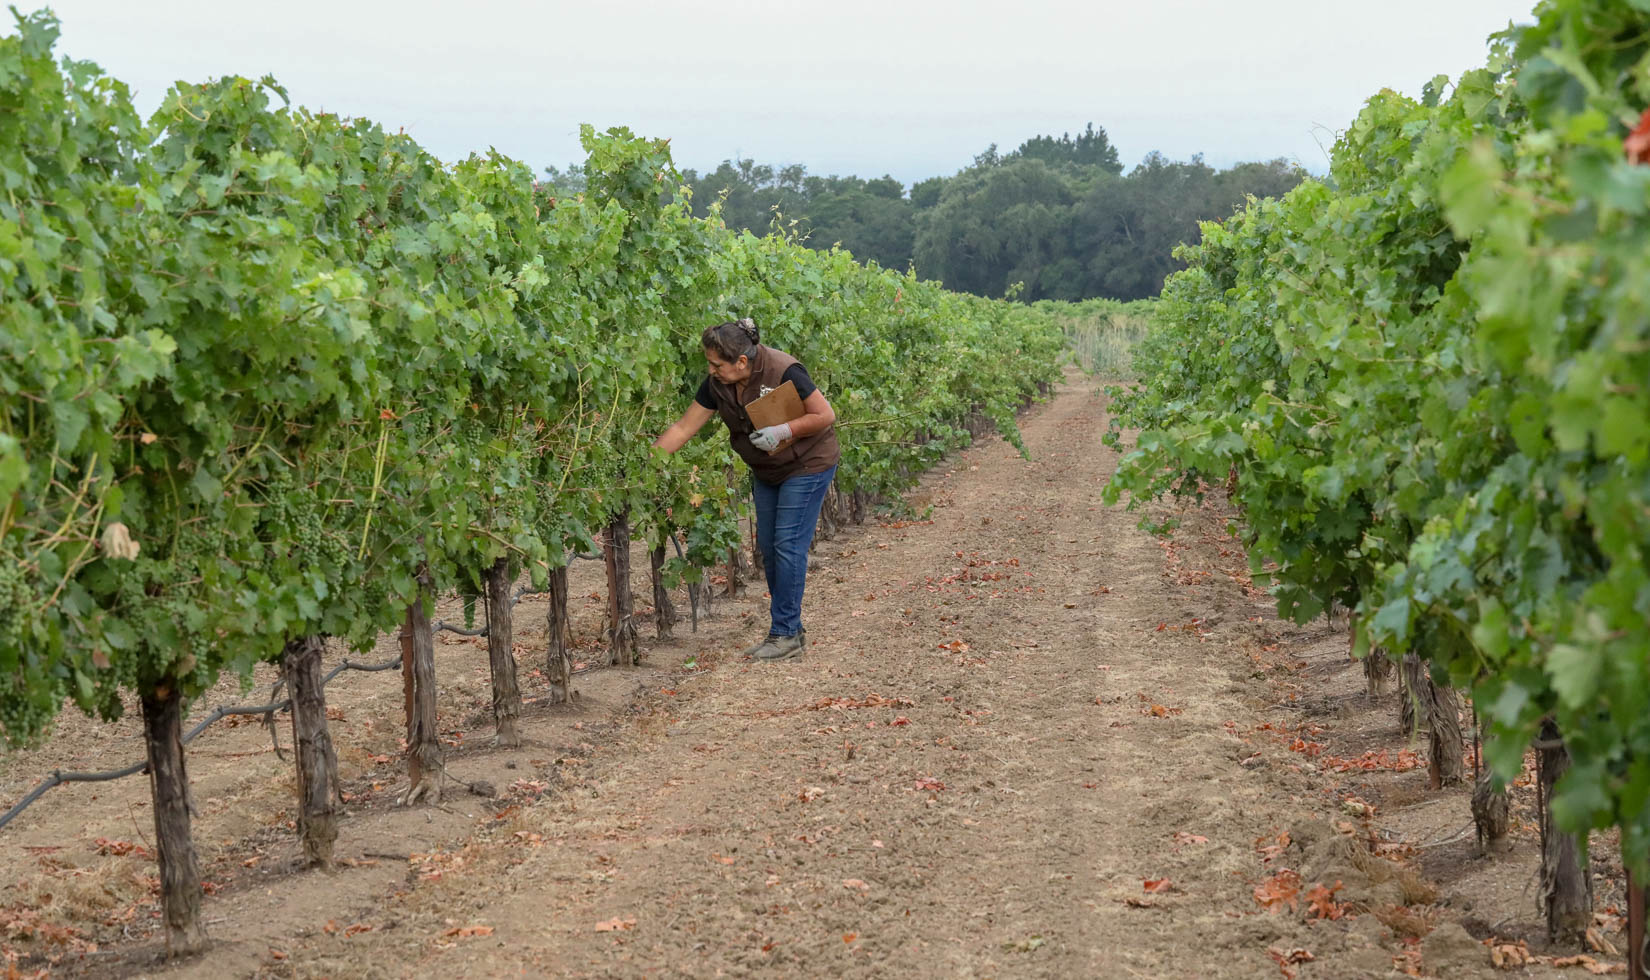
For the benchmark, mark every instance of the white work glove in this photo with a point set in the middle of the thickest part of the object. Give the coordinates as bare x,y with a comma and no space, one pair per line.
768,439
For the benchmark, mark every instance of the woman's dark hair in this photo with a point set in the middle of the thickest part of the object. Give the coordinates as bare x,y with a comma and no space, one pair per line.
732,340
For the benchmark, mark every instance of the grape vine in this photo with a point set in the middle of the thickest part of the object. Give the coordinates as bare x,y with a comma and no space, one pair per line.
1425,379
293,359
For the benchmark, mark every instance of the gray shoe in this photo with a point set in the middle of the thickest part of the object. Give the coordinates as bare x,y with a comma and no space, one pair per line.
750,651
780,648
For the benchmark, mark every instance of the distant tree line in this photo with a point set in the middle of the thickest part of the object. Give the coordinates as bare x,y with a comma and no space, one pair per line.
1057,214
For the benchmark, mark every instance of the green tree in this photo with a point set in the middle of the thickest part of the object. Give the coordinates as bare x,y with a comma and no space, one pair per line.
1090,148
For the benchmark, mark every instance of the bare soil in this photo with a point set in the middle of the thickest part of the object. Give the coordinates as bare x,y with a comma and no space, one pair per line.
1027,739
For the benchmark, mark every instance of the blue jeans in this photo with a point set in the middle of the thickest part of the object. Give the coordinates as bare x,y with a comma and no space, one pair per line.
786,514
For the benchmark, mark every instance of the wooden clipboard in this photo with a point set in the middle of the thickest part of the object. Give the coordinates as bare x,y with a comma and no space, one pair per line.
777,407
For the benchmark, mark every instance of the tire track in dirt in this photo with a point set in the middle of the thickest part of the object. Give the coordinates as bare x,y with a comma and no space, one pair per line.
1010,718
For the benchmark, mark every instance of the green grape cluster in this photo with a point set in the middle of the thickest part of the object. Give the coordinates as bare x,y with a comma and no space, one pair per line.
314,545
295,524
28,700
25,712
14,595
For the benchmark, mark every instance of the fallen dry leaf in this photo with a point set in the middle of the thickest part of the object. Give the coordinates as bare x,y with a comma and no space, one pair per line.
1279,890
1321,902
1596,939
1590,965
1156,885
466,932
856,884
1510,956
1286,960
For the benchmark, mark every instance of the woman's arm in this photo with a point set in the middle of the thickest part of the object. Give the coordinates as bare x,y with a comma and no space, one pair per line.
818,415
685,428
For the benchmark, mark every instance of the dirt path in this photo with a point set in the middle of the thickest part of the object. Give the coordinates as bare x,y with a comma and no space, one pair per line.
1028,740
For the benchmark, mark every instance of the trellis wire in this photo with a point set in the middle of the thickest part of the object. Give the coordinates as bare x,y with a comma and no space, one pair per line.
59,777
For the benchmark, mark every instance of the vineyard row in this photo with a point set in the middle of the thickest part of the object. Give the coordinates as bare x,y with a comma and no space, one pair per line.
270,376
1423,379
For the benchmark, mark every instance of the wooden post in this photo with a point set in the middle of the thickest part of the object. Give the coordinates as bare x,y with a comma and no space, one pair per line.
664,611
558,664
501,655
1566,885
616,552
312,748
418,683
180,873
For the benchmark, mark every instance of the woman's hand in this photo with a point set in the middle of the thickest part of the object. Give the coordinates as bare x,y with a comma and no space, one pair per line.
768,439
684,428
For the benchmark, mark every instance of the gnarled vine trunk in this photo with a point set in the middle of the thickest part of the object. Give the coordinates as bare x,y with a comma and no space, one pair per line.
501,655
418,687
622,638
1435,709
826,527
664,611
1445,764
1412,682
756,548
1491,810
558,662
1566,885
736,572
180,872
1378,671
317,763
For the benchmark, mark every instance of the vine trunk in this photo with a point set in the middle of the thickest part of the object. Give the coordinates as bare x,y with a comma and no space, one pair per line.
317,763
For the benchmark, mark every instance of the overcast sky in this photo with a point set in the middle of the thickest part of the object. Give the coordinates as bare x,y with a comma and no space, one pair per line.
909,88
